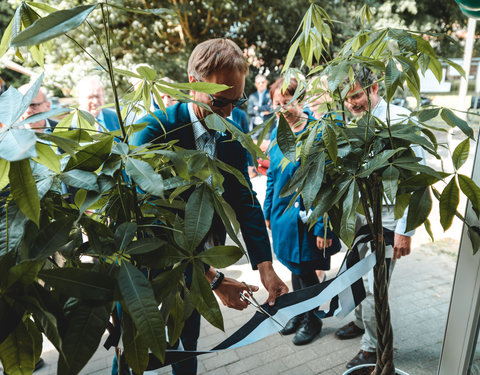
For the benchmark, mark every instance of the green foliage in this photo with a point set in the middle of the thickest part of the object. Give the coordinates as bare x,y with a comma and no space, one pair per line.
128,204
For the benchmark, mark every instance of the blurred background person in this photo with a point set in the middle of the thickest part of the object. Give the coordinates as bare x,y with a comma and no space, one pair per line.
90,97
259,109
301,250
39,104
259,103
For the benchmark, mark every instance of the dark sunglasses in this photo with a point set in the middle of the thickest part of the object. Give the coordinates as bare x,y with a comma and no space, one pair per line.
219,103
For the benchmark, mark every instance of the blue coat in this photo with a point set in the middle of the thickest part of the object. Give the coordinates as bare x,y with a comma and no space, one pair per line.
294,245
109,120
243,201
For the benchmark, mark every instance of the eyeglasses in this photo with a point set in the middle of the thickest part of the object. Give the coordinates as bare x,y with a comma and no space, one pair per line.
36,105
222,102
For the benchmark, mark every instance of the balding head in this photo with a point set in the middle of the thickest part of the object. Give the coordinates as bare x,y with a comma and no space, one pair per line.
90,94
39,104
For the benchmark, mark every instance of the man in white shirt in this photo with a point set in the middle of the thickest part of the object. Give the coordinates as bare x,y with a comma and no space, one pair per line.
91,97
363,96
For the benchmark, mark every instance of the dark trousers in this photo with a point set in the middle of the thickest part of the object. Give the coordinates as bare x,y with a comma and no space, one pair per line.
304,280
189,339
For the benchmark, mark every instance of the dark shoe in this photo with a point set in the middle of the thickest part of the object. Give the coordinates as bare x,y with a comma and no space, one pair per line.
363,358
350,331
292,325
310,328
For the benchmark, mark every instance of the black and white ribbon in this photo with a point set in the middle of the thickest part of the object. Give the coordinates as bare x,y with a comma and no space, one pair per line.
344,292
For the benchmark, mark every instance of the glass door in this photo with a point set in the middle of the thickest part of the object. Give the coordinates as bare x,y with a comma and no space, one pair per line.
460,354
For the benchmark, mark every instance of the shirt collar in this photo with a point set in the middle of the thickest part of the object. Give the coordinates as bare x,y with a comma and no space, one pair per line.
199,130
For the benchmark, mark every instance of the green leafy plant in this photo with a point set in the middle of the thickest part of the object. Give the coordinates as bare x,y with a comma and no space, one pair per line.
128,214
368,159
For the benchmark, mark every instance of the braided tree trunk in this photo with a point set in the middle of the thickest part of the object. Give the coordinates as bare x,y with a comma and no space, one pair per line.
384,364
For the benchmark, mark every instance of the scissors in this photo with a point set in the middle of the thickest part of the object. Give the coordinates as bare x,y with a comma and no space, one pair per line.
248,296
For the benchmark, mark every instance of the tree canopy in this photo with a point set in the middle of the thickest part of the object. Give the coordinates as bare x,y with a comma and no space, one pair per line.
264,29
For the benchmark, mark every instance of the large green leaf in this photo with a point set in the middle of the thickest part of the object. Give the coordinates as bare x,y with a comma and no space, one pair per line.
198,215
390,182
24,273
5,42
419,208
377,162
10,317
17,352
448,203
221,256
124,234
330,139
145,176
453,120
203,298
144,245
47,157
80,179
428,114
92,156
350,203
4,169
215,123
393,79
401,204
12,228
18,144
45,319
84,329
229,219
313,181
80,283
164,283
286,139
13,104
24,189
460,155
51,238
136,350
471,190
140,303
53,25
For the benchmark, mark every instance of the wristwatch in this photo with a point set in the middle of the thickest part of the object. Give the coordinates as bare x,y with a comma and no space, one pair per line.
217,280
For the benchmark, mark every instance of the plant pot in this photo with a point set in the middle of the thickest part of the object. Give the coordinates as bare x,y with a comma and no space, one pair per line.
352,371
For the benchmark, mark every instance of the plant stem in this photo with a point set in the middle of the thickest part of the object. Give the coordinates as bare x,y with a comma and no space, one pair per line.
384,365
110,71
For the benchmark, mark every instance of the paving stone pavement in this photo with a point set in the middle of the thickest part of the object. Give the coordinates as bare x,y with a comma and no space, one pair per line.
419,298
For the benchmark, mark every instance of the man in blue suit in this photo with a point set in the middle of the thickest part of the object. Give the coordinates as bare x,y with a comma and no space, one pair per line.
90,97
219,61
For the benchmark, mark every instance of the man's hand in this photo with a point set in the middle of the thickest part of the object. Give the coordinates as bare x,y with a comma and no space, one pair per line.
270,280
229,290
321,243
229,293
401,245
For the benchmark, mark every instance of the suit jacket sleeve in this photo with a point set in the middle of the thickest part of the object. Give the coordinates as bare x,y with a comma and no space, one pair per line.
245,203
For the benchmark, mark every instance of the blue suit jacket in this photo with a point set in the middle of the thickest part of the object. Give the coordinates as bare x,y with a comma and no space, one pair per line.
292,241
242,199
110,120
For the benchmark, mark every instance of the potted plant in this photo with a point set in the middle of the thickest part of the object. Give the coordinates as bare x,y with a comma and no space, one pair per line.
350,169
127,213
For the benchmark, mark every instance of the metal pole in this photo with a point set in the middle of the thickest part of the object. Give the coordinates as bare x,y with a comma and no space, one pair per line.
467,58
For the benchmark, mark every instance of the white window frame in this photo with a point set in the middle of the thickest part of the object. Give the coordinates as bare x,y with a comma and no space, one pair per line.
463,316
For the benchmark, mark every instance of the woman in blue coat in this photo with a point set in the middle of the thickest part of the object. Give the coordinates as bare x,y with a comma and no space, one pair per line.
301,250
